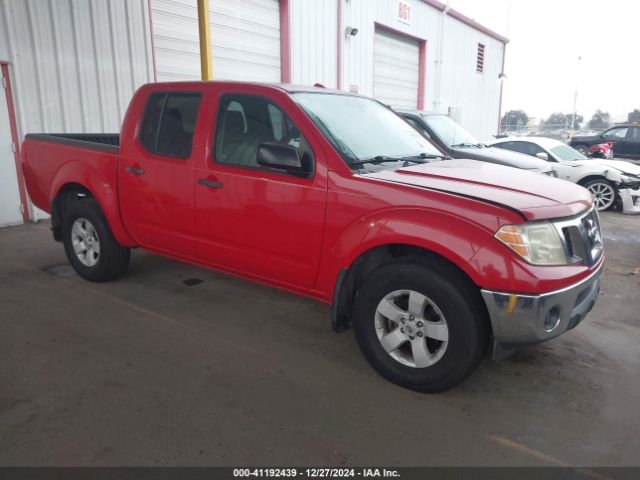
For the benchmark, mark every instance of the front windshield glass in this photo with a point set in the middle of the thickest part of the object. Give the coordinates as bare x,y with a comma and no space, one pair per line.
362,129
565,152
452,134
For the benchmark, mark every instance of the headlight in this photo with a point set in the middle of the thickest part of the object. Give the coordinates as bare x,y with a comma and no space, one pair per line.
538,243
626,178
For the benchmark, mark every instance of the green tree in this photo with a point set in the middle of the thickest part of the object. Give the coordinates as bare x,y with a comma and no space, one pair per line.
556,120
600,120
561,120
514,120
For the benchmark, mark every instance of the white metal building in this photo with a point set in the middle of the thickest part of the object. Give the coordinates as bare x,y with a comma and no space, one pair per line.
72,65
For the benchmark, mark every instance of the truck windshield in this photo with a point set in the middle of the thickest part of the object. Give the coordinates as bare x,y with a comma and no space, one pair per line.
452,134
363,130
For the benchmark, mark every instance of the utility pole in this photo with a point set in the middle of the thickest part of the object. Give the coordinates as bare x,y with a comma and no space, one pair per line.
575,97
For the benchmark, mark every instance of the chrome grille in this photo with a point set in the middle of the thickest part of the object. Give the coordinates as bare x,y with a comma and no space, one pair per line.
582,238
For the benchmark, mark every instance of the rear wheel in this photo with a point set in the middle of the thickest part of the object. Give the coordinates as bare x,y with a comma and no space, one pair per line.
603,193
89,244
420,326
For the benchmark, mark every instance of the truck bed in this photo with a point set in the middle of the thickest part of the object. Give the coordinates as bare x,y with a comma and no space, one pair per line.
109,142
48,160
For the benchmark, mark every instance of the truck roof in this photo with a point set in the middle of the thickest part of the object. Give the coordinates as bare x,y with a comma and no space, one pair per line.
287,87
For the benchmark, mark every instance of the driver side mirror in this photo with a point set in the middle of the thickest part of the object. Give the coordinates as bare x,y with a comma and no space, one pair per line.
543,155
284,158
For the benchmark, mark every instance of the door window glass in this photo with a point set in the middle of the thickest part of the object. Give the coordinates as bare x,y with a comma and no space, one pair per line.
169,123
616,133
246,121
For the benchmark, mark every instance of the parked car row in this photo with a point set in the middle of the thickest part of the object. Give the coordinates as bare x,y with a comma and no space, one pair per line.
333,196
624,137
610,182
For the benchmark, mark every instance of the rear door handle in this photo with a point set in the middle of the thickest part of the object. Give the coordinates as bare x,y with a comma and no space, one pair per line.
209,183
134,170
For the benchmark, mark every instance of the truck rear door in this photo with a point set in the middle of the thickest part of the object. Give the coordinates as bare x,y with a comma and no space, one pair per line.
252,219
157,174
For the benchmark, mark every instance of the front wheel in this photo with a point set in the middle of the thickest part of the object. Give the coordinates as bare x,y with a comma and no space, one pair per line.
603,193
420,326
89,244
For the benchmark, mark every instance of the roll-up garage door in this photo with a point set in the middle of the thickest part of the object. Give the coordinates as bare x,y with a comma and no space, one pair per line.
396,71
245,39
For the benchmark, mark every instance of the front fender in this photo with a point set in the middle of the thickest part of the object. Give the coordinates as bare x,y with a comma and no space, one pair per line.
103,188
452,237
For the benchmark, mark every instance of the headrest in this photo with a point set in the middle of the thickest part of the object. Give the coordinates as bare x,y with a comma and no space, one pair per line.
233,122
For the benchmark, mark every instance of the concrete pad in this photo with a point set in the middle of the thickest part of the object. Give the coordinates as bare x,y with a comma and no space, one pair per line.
177,365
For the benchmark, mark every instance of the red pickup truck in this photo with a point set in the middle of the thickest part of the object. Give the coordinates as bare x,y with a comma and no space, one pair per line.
332,196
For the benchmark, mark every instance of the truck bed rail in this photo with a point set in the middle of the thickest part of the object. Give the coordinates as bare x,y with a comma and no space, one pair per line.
109,142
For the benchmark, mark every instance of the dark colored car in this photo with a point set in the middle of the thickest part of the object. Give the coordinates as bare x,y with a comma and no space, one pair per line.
625,138
457,142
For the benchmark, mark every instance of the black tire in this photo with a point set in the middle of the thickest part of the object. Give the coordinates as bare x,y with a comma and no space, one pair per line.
113,258
604,184
458,300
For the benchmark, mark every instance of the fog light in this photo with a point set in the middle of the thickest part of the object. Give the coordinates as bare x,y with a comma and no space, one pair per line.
552,320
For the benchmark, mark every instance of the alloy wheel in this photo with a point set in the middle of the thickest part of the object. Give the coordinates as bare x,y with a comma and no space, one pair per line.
603,195
85,241
411,328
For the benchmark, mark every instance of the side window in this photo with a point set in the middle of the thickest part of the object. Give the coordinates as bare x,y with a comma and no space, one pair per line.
505,145
246,121
532,148
169,122
276,117
516,147
635,134
616,133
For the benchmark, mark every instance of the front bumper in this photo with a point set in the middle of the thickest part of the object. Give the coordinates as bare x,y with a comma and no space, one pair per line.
630,200
519,320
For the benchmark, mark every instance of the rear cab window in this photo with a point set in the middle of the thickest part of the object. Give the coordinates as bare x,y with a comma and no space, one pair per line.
169,122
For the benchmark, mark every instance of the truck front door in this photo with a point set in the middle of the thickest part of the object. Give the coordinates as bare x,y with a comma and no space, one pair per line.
255,220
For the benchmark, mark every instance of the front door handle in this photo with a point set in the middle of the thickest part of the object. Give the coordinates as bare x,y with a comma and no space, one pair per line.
134,170
209,183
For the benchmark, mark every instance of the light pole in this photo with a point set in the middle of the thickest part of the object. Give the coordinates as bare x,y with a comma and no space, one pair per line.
575,96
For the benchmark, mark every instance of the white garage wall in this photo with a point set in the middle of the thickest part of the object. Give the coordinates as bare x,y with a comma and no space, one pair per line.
74,64
245,39
314,30
476,97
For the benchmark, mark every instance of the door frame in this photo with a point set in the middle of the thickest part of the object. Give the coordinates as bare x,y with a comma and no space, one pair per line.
4,66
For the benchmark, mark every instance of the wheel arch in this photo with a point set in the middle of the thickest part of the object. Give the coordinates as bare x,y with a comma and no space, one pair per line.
590,177
76,178
350,278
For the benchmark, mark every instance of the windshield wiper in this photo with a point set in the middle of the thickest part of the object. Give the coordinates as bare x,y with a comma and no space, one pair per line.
419,158
464,145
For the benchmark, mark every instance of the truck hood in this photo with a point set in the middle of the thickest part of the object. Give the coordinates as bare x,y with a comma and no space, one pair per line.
533,196
626,167
501,156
